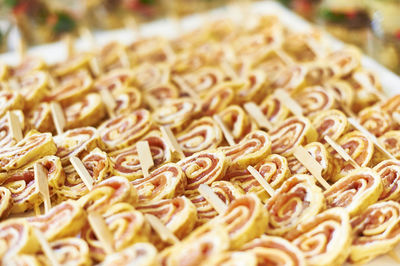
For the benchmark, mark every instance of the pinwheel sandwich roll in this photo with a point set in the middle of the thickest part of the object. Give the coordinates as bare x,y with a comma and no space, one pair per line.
376,231
22,186
324,239
294,202
270,250
225,190
290,133
33,87
126,226
63,220
126,161
114,80
124,130
6,138
274,169
201,134
332,123
165,182
17,237
291,79
148,75
71,65
179,214
244,219
254,87
176,113
28,65
389,171
160,94
68,251
204,168
34,145
391,142
274,110
140,254
249,151
40,118
108,192
127,100
99,167
10,100
315,99
6,202
88,111
233,258
376,121
356,191
219,98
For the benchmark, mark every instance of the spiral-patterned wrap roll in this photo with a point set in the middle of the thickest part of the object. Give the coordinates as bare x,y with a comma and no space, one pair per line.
71,89
290,133
274,110
319,73
6,139
23,260
274,169
160,94
343,92
33,87
125,130
127,100
77,142
237,121
34,145
270,250
68,251
391,142
16,237
331,123
29,64
244,219
233,258
254,146
88,111
201,134
40,118
253,88
204,168
359,147
99,167
10,100
127,227
291,79
139,254
151,75
315,99
72,64
176,113
114,80
21,183
298,199
324,239
320,154
300,46
6,202
376,230
368,92
108,192
344,61
226,191
166,182
179,214
389,171
201,80
219,98
375,120
356,191
126,161
63,220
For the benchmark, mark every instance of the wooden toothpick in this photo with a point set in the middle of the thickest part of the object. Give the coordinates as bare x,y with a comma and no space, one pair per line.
145,157
15,126
341,151
69,45
42,185
212,198
165,234
82,172
109,101
171,140
254,111
225,130
47,250
58,117
370,136
101,231
289,103
311,164
267,187
362,79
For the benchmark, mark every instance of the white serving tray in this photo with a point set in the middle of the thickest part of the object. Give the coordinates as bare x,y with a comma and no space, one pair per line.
56,52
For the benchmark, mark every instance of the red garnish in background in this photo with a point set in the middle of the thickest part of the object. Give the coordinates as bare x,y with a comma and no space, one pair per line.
21,8
351,14
397,34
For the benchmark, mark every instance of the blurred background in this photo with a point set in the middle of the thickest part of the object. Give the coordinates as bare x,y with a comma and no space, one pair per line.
373,25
